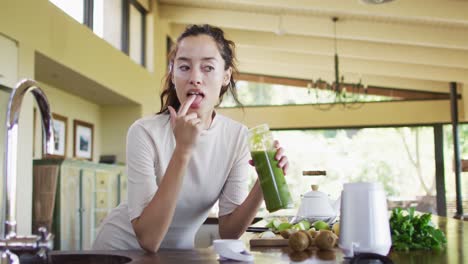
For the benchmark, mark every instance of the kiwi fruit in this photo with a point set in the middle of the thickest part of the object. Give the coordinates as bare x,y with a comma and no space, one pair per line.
287,233
298,241
313,232
309,236
326,240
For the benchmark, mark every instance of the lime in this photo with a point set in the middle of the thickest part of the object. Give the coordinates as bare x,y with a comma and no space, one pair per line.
284,226
321,225
276,223
270,224
302,225
305,225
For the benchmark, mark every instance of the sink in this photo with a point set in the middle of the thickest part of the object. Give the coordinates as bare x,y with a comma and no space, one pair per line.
87,258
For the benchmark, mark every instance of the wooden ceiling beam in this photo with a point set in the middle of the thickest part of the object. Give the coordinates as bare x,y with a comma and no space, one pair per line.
428,11
346,48
351,28
352,66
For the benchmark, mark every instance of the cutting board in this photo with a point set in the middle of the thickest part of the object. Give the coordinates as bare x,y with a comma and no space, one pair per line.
268,242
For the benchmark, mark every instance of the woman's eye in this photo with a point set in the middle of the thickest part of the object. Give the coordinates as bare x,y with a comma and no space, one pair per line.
208,68
184,67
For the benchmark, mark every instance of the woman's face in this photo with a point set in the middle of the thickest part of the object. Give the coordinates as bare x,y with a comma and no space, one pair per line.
199,70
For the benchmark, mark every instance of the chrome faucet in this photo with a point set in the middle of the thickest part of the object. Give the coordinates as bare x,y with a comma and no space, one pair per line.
10,242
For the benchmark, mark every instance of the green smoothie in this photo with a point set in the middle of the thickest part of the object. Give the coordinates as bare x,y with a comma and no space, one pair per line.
274,187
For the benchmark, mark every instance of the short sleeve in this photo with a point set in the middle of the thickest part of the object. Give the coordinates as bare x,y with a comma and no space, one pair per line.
235,190
142,185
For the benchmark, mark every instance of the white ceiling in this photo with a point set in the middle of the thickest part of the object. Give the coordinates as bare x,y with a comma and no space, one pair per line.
411,44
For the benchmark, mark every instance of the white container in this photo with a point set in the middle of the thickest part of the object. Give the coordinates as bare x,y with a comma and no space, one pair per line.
364,226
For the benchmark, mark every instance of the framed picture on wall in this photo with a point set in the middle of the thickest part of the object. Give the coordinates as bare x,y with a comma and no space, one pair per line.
60,136
83,140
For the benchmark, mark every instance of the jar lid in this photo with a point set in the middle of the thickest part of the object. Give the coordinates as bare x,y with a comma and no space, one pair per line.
315,194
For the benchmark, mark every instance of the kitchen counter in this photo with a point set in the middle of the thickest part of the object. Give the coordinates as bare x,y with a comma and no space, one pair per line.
456,251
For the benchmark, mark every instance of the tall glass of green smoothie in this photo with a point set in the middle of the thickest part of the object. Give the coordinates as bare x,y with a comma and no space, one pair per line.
274,187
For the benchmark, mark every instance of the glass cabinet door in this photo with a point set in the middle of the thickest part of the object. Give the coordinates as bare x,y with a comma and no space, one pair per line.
69,210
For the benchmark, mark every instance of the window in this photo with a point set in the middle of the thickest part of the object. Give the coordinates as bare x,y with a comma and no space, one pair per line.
137,35
122,23
406,168
107,21
258,90
450,185
134,31
252,93
74,8
98,17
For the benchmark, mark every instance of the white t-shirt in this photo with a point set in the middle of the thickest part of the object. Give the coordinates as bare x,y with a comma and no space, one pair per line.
218,169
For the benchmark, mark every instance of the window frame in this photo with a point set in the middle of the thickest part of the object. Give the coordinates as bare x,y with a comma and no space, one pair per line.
126,28
88,10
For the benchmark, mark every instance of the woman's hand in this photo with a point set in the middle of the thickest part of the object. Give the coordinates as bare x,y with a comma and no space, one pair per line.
187,127
283,161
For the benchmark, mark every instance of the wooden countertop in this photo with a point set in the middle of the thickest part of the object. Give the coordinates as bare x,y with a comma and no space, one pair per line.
456,251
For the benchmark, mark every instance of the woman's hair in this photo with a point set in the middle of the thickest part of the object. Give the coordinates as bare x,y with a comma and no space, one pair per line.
226,49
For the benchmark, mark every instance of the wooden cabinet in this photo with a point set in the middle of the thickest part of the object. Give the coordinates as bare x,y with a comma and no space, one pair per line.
72,197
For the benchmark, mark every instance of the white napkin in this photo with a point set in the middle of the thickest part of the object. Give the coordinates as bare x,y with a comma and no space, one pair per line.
232,249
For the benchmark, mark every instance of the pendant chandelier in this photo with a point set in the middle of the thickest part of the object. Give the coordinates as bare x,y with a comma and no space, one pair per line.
349,95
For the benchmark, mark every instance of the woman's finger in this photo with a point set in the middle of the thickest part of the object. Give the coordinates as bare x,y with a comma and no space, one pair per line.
283,161
286,168
200,127
279,153
190,116
173,116
194,121
276,143
186,105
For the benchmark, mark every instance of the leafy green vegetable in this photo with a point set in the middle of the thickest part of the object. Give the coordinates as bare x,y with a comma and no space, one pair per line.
411,231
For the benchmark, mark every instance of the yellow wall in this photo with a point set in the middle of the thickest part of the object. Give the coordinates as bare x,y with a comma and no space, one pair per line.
116,120
62,39
73,108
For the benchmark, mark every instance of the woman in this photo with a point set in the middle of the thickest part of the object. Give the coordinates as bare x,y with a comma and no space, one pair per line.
187,157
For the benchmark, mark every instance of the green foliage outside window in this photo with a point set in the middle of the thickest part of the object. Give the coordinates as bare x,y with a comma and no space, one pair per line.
402,159
264,94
